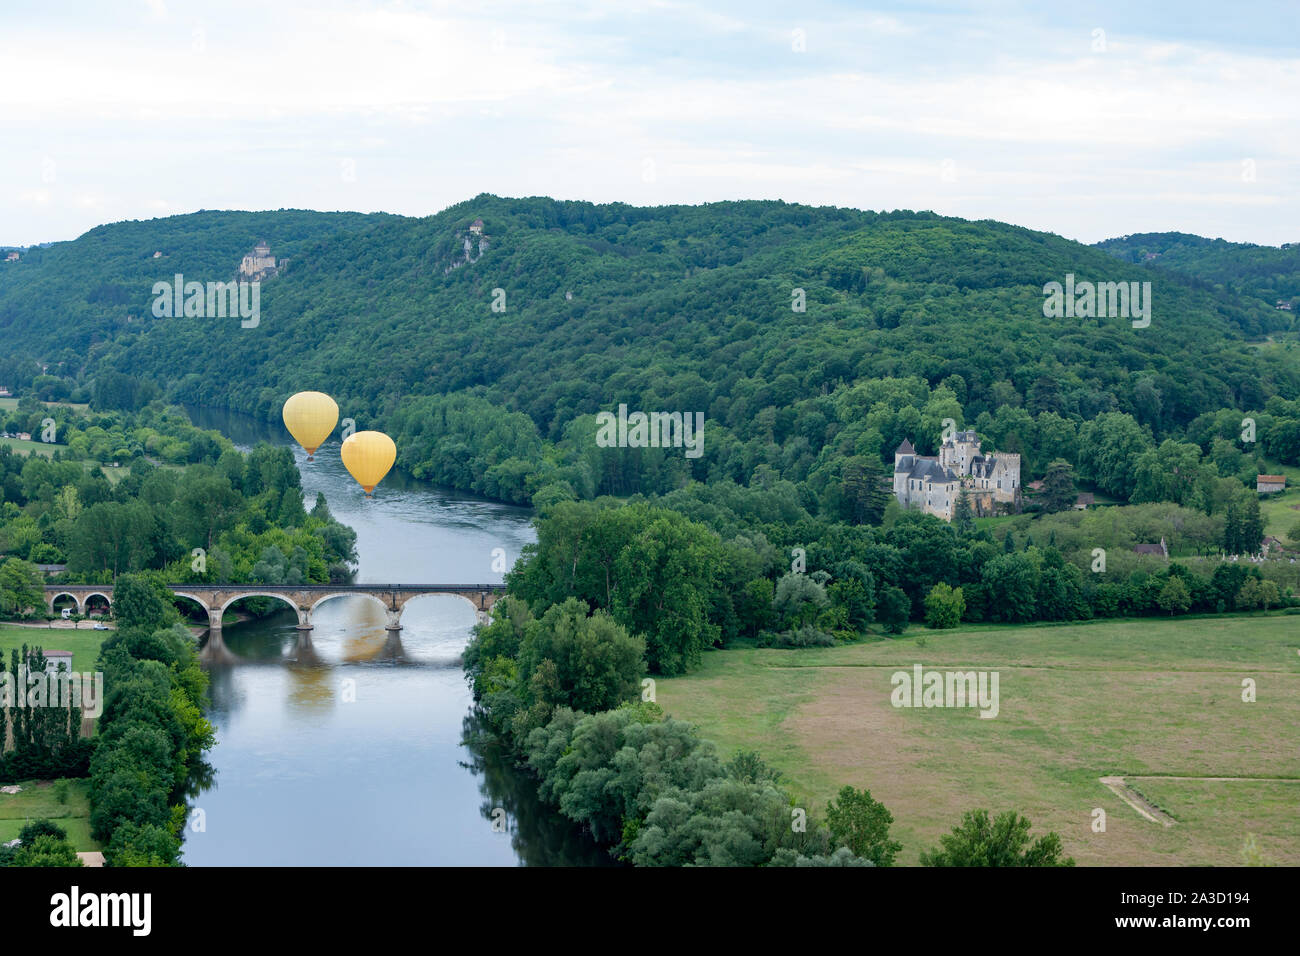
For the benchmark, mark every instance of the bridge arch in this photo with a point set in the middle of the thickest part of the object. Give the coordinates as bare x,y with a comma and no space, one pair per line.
85,601
455,594
219,614
203,605
342,594
76,601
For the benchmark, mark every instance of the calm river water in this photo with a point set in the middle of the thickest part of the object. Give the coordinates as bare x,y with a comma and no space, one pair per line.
363,751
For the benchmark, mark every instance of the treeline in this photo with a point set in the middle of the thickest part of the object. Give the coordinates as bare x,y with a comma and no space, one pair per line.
38,738
710,565
1267,272
561,690
152,734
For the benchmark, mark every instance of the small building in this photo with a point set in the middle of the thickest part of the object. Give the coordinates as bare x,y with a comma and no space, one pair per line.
1035,486
476,227
4,392
51,568
1160,550
1271,545
23,436
1284,304
1268,484
55,661
12,257
1085,501
157,255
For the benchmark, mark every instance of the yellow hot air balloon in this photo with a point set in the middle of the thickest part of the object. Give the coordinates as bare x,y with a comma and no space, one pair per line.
310,417
368,456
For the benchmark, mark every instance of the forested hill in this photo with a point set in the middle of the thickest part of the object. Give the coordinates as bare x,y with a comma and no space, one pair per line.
677,308
67,295
1269,273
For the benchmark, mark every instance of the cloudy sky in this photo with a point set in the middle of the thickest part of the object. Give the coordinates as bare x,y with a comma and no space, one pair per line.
1086,119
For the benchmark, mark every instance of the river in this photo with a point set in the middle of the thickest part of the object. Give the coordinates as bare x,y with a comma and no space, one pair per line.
363,750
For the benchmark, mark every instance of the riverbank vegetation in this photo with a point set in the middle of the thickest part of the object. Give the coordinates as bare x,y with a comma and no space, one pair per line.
226,516
152,735
562,690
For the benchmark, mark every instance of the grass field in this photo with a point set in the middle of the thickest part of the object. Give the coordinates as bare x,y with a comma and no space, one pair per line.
31,447
83,642
114,475
37,801
9,404
1132,698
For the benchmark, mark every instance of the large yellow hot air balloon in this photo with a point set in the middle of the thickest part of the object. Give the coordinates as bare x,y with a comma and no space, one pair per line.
310,417
368,456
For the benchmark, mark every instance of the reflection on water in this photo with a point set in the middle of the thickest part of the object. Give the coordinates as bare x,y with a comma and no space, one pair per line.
351,744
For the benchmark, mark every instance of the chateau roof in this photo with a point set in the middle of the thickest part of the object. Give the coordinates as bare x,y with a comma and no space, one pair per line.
905,448
925,469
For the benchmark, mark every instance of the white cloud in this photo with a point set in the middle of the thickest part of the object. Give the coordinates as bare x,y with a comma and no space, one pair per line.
434,102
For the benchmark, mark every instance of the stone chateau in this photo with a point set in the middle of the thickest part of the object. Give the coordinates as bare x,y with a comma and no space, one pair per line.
932,484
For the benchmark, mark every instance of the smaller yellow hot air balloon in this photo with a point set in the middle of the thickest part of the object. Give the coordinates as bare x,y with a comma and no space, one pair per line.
368,456
310,417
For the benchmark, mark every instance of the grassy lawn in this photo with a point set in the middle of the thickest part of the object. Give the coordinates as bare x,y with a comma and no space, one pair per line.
114,475
29,447
83,642
1281,512
9,404
1142,697
37,801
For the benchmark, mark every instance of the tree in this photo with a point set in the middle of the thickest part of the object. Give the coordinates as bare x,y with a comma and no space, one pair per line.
1243,526
1011,582
865,489
963,516
667,575
862,824
944,606
1058,487
141,602
1174,596
894,610
587,663
799,599
21,587
1003,842
1249,597
47,850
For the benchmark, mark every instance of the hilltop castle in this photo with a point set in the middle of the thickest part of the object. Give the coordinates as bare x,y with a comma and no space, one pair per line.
933,484
259,264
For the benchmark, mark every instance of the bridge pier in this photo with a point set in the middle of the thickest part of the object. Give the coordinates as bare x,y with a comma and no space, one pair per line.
214,621
394,619
304,620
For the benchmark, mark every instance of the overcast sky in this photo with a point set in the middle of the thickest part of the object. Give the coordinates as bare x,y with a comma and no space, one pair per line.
1089,120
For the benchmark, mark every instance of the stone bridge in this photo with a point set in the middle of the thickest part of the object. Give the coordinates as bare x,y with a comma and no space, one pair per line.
303,598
